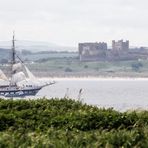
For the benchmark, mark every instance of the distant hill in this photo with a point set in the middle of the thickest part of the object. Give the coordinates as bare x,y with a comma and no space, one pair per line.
36,46
6,55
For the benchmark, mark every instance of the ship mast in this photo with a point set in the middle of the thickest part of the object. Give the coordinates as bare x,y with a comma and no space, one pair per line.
13,53
13,60
13,49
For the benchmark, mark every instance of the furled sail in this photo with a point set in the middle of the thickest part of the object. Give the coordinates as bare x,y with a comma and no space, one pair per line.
16,67
17,77
3,76
30,75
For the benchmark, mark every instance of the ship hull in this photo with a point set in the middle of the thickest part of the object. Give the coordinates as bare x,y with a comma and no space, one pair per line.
14,92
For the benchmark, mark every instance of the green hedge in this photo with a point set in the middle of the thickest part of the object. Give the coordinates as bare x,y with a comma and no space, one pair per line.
69,123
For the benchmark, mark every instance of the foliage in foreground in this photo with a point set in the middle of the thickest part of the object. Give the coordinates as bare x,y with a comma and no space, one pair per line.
69,123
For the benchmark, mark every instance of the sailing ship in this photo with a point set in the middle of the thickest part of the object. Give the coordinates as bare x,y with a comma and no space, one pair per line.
21,82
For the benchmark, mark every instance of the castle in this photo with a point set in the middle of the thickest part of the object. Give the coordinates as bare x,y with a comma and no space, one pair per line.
100,52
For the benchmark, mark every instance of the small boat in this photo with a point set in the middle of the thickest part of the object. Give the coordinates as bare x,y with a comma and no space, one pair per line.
22,82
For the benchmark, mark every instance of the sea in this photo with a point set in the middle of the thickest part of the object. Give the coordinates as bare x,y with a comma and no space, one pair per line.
122,94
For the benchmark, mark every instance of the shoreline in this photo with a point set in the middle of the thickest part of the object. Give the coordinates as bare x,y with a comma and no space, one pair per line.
95,78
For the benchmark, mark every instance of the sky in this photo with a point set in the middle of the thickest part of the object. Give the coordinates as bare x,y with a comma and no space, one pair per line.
68,22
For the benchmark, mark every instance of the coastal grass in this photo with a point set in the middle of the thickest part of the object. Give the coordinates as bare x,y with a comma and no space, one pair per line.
68,123
65,67
61,67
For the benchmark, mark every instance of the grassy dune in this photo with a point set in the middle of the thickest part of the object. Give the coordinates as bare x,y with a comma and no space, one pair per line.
68,123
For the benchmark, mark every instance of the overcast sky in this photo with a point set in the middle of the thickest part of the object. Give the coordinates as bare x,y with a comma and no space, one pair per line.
67,22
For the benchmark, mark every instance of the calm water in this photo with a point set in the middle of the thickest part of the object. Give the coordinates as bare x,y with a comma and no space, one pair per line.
121,94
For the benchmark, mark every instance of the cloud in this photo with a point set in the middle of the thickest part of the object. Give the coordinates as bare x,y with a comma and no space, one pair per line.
71,21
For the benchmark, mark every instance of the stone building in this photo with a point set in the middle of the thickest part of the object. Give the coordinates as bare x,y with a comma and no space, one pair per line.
120,45
120,51
92,51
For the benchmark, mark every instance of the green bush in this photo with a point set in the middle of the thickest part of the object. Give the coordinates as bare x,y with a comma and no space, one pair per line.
69,123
